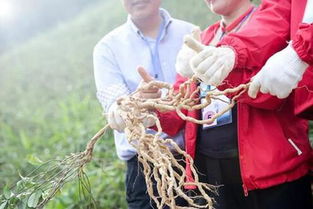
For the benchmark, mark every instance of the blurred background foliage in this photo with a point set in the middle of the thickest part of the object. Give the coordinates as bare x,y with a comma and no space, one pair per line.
48,106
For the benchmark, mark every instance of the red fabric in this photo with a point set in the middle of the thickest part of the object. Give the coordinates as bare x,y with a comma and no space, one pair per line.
268,32
303,42
266,156
304,96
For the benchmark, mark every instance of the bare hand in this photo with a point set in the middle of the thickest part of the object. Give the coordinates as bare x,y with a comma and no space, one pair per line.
151,93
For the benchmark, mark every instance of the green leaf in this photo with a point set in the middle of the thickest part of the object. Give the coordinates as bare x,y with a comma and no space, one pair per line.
22,205
3,205
25,140
6,192
34,160
34,199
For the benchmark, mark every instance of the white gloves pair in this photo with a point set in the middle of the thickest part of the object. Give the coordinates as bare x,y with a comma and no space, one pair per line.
280,75
117,122
212,65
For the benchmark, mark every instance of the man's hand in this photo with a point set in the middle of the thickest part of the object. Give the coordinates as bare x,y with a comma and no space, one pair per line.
213,64
280,75
151,93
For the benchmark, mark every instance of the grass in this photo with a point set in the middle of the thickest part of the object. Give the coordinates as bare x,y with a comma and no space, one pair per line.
48,106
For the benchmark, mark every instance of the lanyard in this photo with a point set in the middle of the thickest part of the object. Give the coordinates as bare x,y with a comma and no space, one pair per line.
154,54
239,25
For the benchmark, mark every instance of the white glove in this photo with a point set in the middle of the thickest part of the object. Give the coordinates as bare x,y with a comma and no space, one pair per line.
279,75
182,61
186,53
116,121
213,64
114,118
308,13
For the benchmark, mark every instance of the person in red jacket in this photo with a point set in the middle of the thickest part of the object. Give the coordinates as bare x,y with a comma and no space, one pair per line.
271,28
259,151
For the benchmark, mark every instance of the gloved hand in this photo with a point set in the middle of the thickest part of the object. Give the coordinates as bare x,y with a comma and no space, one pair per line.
114,118
279,75
213,64
116,121
186,53
182,61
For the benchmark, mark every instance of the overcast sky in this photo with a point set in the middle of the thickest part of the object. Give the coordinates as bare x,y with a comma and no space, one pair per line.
22,19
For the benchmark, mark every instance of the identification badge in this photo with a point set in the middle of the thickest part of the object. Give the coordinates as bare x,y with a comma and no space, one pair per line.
216,106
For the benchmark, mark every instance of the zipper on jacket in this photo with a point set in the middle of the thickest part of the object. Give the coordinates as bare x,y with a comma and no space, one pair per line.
245,190
295,146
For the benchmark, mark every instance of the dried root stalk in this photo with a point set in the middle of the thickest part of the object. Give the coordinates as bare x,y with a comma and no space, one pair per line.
159,164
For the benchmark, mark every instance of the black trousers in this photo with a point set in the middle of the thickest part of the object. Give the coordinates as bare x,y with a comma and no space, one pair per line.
136,188
137,196
226,173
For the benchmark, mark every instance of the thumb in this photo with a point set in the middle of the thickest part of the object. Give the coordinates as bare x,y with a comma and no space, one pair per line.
254,88
144,74
192,43
196,33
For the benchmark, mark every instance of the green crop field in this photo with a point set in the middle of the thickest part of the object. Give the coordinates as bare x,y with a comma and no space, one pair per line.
48,106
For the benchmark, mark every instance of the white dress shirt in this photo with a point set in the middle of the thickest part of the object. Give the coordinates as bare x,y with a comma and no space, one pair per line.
117,56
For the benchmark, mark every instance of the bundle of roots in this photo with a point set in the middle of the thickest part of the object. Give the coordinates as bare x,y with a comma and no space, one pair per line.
155,153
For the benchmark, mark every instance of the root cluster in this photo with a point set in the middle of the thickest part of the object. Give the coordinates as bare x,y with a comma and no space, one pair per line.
160,166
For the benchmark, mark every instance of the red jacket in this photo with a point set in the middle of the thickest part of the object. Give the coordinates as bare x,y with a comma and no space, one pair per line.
273,143
277,22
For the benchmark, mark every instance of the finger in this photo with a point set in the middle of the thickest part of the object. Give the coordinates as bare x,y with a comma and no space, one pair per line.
209,66
111,120
283,95
282,91
264,89
196,33
217,77
119,121
199,58
144,74
150,90
145,95
254,88
193,44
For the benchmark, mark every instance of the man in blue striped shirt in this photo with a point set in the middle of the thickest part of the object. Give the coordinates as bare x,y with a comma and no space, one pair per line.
150,38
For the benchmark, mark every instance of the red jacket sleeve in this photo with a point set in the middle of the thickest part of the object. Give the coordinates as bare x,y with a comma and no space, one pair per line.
170,121
303,42
303,96
266,33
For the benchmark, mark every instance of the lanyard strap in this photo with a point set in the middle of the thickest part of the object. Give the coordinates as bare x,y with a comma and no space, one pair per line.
154,54
239,25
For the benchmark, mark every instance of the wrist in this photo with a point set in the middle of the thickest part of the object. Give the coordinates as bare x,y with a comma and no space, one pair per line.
294,60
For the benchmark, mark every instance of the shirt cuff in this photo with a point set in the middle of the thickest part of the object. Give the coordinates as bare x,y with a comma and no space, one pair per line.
303,42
